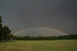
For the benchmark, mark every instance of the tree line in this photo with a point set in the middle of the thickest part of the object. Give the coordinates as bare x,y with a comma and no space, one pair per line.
45,38
4,31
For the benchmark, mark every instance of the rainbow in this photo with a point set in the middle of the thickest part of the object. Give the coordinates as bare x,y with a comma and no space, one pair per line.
40,28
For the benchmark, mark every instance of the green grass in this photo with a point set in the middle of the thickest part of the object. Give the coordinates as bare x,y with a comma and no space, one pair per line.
45,45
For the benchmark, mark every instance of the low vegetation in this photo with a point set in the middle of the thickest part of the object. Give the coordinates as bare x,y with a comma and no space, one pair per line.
45,45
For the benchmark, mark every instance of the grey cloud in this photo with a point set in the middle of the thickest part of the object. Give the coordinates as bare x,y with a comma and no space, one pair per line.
58,14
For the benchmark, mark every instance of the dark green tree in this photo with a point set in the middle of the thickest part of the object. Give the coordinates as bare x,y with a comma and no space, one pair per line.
11,37
6,32
0,28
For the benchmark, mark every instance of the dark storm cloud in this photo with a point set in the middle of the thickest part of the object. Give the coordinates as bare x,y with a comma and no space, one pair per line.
58,14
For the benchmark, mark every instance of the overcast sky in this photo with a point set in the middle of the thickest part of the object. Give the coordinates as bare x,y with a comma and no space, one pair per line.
57,14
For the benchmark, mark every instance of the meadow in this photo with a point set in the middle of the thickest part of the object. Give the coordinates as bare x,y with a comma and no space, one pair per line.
40,45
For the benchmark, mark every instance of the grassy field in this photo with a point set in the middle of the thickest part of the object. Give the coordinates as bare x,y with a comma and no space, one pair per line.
48,45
